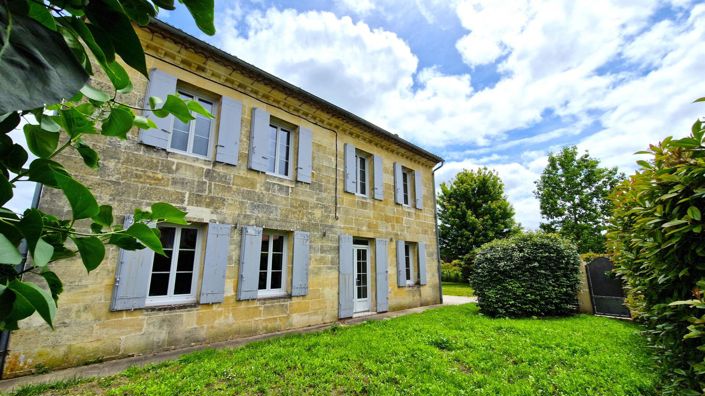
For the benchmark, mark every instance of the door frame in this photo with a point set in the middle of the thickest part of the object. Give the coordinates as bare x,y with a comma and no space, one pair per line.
361,305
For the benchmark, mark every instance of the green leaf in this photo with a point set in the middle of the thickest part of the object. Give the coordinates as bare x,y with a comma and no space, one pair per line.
95,93
166,212
165,4
16,158
144,122
38,298
31,226
145,235
119,122
203,13
90,157
8,252
5,190
198,108
30,64
176,106
694,213
699,100
76,122
104,216
42,253
674,223
92,251
40,142
54,283
126,242
41,14
83,204
45,171
118,76
9,122
110,17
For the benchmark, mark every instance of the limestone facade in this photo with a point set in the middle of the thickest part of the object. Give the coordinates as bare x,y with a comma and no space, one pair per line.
134,175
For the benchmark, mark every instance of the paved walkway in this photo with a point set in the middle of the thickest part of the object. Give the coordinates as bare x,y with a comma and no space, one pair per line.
457,300
116,366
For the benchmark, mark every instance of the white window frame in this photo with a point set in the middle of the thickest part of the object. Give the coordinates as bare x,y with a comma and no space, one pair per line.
407,178
410,260
264,293
277,150
171,298
192,125
362,156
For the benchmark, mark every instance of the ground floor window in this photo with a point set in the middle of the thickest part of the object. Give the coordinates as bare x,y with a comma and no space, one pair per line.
272,267
173,277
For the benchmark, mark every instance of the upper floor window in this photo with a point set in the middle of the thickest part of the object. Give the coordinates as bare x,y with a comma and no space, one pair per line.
173,277
195,136
272,265
407,177
279,150
362,173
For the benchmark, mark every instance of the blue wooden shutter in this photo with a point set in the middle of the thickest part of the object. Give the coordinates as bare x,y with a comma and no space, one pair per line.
378,176
418,186
299,278
229,125
259,140
422,263
303,170
249,263
131,276
398,184
216,262
350,168
345,288
161,84
382,272
401,264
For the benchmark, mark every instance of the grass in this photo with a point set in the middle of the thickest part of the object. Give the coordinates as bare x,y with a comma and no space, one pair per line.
457,289
446,351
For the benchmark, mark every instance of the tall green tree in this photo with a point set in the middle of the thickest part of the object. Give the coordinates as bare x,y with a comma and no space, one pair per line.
573,191
49,49
473,210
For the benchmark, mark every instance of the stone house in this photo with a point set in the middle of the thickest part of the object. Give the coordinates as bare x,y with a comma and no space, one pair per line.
300,213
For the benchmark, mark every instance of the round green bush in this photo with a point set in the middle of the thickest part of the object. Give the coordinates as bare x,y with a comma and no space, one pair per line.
532,274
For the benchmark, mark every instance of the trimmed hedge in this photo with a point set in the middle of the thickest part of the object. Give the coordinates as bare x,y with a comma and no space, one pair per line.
532,274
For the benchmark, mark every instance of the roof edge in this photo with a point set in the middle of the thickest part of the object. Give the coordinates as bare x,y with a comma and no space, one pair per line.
158,25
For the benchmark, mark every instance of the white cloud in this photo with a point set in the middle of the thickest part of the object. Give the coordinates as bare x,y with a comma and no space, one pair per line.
360,7
601,63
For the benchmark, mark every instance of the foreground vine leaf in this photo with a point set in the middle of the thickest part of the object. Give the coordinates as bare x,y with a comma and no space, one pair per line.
46,49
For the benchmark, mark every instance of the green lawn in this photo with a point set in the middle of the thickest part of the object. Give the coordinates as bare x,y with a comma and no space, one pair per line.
457,289
445,351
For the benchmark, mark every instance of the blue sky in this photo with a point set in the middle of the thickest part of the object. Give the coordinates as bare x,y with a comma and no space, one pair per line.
487,83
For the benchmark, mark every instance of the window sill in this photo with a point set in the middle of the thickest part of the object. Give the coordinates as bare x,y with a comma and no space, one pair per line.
273,296
169,307
191,155
279,177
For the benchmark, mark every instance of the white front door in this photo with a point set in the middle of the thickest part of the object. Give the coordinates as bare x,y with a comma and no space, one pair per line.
361,260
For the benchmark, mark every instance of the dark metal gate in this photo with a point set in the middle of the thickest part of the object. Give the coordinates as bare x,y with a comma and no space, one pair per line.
605,289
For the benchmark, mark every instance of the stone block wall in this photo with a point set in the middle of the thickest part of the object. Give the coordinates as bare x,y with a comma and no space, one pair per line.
133,175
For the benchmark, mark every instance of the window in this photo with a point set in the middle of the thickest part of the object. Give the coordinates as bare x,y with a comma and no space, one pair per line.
279,150
272,265
193,137
409,262
362,173
407,177
173,277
